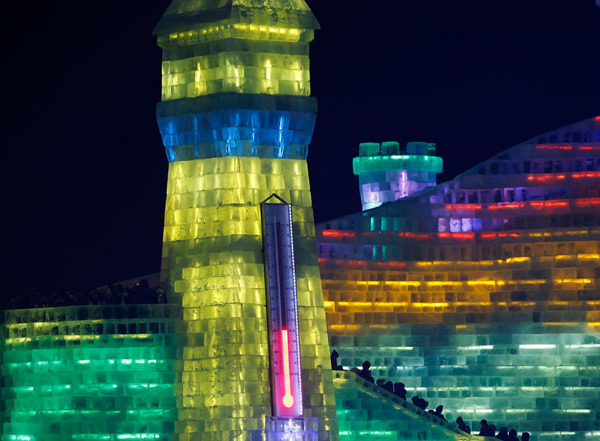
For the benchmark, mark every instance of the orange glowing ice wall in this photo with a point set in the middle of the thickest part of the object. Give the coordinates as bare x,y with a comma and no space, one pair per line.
236,119
482,294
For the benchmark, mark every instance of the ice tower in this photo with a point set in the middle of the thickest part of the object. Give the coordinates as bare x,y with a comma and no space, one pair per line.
386,174
236,120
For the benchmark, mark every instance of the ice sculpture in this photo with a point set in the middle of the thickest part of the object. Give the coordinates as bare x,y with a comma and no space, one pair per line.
386,174
236,121
482,293
479,294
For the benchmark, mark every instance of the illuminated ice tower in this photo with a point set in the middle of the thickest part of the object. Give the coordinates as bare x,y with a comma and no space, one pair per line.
386,174
236,120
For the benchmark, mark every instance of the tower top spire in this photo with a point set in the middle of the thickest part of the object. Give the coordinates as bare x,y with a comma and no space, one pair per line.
183,15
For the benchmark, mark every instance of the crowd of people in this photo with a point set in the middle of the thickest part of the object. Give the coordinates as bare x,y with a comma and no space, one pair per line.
129,294
399,389
504,434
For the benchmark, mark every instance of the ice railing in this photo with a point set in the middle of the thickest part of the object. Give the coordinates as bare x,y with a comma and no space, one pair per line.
460,435
90,320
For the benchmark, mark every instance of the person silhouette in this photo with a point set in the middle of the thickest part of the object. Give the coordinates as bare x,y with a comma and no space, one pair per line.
462,426
525,436
512,435
334,361
438,412
503,434
484,428
366,371
420,402
389,386
399,389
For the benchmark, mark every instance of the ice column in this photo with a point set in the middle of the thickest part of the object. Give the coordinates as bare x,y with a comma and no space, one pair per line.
236,120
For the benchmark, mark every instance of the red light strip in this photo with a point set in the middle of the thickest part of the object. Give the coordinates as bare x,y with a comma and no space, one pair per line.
565,147
288,398
559,177
591,202
456,235
464,207
553,147
411,235
546,177
538,205
337,233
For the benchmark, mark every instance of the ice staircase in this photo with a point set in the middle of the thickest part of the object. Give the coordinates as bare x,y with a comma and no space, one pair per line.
366,411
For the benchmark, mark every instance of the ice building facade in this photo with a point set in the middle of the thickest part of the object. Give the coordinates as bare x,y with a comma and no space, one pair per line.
91,373
108,372
481,293
386,174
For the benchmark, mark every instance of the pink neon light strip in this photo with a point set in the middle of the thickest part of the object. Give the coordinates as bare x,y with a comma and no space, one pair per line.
288,398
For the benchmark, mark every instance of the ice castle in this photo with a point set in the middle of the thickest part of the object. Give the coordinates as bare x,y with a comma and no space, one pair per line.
479,294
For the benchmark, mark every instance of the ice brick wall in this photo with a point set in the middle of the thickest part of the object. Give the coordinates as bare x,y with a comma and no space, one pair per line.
482,293
236,79
236,121
213,261
89,373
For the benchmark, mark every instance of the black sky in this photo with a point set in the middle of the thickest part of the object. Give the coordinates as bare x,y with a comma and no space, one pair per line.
84,169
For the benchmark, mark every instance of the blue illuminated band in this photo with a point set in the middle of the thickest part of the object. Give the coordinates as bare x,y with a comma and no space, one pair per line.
258,126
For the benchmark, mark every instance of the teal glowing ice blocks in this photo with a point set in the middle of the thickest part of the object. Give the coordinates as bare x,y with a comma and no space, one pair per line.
482,294
366,411
386,174
89,373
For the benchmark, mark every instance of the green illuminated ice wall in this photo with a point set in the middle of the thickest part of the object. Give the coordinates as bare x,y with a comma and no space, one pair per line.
366,411
89,373
107,373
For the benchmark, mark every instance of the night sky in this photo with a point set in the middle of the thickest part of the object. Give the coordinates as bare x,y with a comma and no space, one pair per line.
84,168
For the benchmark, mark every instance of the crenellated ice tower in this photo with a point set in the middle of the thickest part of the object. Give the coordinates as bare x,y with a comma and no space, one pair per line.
236,119
386,174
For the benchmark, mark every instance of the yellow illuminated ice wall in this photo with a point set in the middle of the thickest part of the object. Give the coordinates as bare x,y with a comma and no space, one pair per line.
236,120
